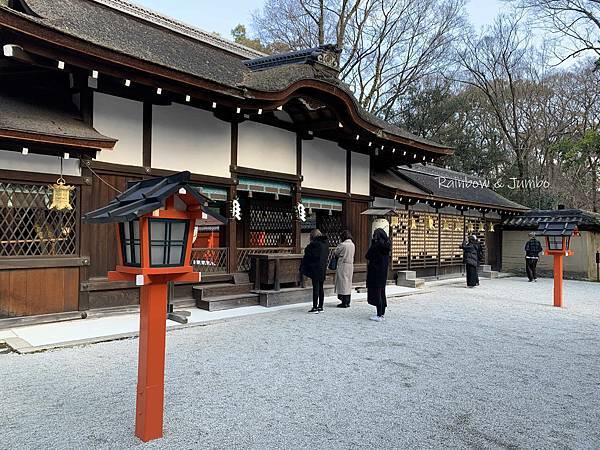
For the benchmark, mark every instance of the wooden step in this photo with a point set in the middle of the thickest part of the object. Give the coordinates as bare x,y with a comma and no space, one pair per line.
220,289
219,303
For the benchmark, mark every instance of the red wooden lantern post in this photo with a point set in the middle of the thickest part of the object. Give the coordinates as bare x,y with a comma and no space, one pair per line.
155,224
558,240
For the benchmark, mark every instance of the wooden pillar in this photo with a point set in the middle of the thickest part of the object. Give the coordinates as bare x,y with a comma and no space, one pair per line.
558,280
231,233
296,224
297,198
151,366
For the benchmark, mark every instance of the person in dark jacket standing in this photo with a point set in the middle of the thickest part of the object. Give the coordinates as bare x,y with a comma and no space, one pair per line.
314,266
533,248
378,260
471,260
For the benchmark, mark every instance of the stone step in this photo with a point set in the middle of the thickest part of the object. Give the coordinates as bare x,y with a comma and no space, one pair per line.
485,268
490,274
416,283
406,275
223,302
288,296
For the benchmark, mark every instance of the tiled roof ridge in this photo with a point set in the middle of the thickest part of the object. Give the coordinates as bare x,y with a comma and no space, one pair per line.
440,169
177,26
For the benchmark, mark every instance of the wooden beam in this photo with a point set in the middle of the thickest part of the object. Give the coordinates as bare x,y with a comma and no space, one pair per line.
147,136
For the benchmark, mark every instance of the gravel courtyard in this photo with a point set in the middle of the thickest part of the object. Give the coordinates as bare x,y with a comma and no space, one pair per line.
493,367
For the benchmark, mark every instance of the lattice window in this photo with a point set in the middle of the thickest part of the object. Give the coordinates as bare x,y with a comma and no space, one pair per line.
331,226
400,242
270,223
451,238
424,241
29,228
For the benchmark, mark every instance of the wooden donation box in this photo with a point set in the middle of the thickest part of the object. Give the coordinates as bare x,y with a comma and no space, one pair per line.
155,222
271,270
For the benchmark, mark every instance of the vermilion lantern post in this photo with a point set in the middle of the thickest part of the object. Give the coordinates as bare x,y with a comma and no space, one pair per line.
155,224
558,240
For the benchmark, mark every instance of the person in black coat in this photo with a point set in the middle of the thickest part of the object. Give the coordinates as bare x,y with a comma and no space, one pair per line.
533,248
378,260
314,266
471,259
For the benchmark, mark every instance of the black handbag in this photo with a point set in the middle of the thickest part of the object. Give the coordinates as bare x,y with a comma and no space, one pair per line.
333,263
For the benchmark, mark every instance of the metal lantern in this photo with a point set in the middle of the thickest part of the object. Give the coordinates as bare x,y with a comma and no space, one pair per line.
155,221
558,241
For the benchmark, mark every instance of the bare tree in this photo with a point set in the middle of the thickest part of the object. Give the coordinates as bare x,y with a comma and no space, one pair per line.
387,44
496,64
575,22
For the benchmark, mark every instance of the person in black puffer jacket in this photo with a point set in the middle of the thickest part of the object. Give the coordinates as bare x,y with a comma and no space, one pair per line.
314,266
533,248
471,260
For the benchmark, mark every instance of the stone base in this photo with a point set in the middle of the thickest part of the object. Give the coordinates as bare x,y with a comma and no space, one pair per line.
408,278
289,296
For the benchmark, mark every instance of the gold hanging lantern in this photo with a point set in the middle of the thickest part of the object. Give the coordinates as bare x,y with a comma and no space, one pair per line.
445,225
491,227
458,226
413,223
61,195
430,224
470,227
395,221
481,227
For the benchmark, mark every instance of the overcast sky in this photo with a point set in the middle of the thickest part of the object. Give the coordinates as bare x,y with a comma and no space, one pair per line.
223,15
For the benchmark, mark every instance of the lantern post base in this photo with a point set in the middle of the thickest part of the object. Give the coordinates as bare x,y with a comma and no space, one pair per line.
558,281
151,366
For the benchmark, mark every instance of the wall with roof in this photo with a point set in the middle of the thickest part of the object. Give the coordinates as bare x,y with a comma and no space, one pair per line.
187,138
323,165
121,119
266,148
32,162
513,255
360,174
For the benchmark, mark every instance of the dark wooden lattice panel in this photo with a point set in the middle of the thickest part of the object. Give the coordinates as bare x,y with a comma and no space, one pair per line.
331,226
270,224
29,228
424,241
451,237
399,231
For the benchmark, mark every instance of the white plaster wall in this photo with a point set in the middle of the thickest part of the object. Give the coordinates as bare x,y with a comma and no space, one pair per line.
323,165
360,174
121,119
267,148
187,138
38,163
513,253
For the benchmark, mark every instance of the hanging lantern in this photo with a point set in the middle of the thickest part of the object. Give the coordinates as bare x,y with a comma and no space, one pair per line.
395,221
481,227
458,226
445,225
470,227
61,195
413,223
491,227
430,223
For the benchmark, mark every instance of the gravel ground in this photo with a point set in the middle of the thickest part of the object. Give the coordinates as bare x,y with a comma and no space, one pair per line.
493,367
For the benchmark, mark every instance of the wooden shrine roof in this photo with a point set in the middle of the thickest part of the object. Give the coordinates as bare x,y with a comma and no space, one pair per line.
170,49
429,182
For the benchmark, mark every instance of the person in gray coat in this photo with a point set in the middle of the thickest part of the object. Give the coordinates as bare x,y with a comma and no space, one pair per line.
344,253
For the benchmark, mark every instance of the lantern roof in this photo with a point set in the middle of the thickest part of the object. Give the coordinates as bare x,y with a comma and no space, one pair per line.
556,229
143,197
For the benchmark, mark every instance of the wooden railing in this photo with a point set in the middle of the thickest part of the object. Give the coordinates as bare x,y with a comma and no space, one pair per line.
210,260
243,255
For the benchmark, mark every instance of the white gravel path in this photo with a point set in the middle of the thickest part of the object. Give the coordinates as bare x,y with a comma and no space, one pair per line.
493,367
